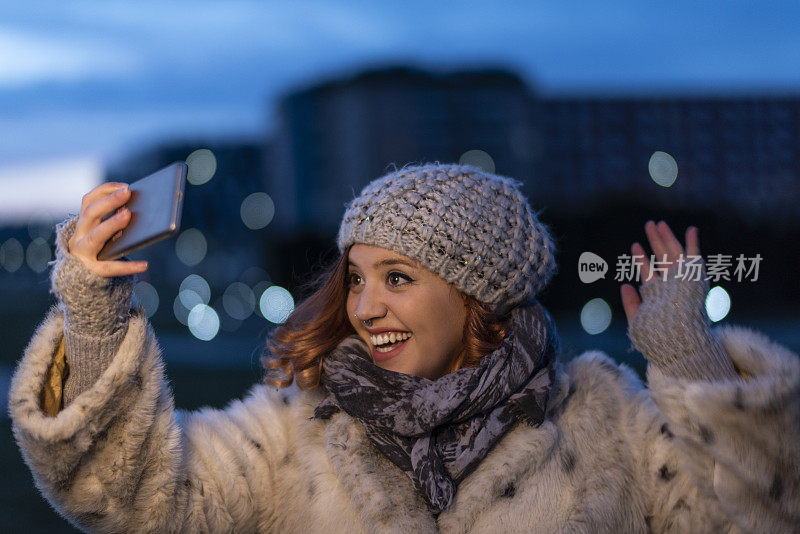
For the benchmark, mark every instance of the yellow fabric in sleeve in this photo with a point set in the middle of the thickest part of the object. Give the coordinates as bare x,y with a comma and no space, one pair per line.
52,395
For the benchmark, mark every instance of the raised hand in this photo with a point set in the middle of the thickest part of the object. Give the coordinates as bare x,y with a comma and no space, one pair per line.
92,233
665,246
669,324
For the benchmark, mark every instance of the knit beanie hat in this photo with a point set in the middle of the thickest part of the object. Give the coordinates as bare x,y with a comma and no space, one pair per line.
473,229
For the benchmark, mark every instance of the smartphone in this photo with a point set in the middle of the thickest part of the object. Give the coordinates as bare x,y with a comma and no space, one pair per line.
155,205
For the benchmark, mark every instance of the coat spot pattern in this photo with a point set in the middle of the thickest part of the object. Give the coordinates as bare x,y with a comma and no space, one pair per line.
665,473
738,399
65,484
666,431
509,491
91,518
256,444
681,504
706,435
611,368
776,489
568,461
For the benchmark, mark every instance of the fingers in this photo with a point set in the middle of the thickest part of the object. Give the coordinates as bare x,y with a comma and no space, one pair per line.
656,241
666,246
118,268
93,213
674,248
692,241
104,231
640,259
99,192
104,205
92,232
630,300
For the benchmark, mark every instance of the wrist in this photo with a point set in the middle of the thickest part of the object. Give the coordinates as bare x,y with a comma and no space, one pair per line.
94,305
703,358
671,323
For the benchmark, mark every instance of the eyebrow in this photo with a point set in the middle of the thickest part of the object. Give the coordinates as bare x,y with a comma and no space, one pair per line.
389,261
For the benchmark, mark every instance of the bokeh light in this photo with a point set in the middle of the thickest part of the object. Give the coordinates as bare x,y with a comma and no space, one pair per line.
202,166
257,211
595,316
239,301
663,168
189,299
37,255
148,297
191,247
227,323
718,303
12,255
477,158
258,290
276,304
194,283
180,311
203,322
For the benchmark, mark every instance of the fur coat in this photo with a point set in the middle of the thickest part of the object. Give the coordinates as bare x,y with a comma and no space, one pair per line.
611,456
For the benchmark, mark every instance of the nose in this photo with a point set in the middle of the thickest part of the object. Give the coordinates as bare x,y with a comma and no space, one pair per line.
370,303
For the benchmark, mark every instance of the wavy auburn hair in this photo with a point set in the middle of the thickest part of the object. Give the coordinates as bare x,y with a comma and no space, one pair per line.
295,350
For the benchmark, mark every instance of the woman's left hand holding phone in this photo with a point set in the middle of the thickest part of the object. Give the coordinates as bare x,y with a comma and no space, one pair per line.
92,232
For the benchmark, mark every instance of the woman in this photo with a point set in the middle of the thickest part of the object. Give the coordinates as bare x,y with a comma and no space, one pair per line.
430,394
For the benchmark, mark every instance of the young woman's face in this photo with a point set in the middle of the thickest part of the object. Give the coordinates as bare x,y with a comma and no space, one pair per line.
401,297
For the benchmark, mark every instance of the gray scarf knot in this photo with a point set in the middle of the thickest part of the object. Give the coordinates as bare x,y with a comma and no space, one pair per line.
438,431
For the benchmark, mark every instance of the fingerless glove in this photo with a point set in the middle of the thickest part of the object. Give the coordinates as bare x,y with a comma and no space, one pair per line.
96,311
672,330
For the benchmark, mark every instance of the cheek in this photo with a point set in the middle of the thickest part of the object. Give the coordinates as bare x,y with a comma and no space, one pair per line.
350,309
444,319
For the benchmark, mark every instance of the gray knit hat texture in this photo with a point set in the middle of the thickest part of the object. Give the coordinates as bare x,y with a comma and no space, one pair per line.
471,228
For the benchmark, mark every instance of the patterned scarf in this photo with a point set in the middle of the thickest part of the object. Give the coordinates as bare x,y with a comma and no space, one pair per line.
438,431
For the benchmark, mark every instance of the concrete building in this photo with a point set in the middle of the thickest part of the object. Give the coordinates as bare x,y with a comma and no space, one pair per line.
571,153
333,138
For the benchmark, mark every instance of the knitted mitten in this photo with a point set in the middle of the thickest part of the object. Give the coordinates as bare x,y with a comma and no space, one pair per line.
96,311
672,330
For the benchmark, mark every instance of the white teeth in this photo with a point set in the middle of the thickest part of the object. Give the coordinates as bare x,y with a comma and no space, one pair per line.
382,339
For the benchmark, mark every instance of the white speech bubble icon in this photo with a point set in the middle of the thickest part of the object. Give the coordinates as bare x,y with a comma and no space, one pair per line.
591,267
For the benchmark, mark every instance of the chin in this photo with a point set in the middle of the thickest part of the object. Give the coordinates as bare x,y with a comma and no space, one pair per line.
397,367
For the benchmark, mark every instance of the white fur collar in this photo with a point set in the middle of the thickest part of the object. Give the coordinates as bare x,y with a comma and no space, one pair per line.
384,495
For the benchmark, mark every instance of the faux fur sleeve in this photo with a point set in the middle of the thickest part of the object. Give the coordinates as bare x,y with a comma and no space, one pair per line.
121,459
740,440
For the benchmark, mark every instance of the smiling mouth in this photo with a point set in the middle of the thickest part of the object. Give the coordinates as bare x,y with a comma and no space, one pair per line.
387,342
387,351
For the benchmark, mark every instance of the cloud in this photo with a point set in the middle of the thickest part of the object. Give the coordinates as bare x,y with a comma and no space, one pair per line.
64,181
28,57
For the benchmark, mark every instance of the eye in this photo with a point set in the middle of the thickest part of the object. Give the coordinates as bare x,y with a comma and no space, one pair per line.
353,279
397,279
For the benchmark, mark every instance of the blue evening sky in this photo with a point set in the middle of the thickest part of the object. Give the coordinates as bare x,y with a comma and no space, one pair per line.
96,80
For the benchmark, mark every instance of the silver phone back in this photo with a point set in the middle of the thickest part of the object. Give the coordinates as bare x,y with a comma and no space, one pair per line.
156,203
